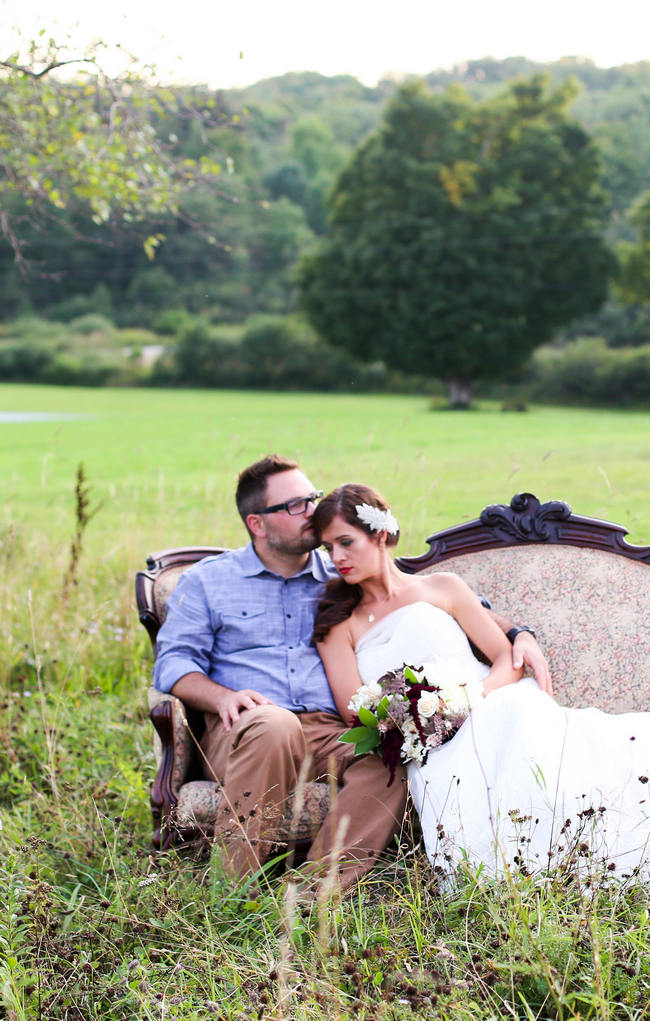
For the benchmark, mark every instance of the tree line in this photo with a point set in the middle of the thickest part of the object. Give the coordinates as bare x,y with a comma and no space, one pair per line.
473,185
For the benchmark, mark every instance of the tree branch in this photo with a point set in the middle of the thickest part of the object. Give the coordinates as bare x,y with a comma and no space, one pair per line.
16,244
46,70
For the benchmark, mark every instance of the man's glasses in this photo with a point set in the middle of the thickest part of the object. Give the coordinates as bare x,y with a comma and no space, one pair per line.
296,506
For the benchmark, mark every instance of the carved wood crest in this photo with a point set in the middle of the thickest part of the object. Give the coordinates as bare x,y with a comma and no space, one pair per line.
525,520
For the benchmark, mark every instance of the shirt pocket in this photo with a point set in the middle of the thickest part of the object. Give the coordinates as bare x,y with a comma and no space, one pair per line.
243,626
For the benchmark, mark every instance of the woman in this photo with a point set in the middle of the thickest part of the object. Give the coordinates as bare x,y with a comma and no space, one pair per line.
523,781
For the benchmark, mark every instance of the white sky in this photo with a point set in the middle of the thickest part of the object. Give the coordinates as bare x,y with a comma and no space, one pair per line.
201,41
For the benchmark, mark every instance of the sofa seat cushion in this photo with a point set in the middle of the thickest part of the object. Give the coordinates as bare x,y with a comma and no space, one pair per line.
306,809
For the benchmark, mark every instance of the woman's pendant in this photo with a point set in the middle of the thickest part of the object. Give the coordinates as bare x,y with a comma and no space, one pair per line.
371,618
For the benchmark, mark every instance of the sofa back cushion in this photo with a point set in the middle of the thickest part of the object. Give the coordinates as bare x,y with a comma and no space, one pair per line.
163,587
589,609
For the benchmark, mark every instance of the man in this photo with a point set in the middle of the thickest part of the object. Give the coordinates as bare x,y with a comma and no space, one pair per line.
236,644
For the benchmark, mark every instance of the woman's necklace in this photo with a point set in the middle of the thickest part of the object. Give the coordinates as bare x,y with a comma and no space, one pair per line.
372,616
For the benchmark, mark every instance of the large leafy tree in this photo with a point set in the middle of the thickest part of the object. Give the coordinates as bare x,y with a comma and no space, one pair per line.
73,137
633,284
462,234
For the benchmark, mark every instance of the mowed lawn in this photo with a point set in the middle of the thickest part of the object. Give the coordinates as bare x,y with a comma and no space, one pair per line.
163,464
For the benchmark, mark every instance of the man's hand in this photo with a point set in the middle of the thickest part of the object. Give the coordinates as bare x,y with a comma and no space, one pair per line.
526,651
199,692
230,703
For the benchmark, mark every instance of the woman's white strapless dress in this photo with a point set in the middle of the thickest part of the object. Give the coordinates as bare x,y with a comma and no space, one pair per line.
524,782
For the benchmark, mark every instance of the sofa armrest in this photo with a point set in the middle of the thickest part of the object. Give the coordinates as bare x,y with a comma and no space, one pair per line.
174,748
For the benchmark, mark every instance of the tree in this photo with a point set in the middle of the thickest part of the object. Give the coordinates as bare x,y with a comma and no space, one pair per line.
633,284
461,234
80,137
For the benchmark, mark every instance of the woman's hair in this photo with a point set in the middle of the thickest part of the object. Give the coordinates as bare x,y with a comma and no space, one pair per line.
340,599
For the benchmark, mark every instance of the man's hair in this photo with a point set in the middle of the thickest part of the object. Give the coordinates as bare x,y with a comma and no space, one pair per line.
251,483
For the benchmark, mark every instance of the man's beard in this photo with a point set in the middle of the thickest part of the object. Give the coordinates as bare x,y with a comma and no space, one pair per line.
303,543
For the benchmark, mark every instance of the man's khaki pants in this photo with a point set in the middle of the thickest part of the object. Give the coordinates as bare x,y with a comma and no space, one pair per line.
258,764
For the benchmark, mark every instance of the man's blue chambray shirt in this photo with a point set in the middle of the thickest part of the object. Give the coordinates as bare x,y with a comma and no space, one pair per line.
245,627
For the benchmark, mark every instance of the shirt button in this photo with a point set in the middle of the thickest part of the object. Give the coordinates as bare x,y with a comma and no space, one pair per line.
292,671
288,615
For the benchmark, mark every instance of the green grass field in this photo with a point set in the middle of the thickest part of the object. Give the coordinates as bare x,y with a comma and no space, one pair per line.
163,464
92,926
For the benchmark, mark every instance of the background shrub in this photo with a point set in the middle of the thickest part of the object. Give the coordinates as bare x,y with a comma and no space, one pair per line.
588,372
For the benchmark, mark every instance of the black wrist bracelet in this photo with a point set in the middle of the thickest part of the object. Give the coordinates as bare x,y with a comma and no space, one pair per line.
514,631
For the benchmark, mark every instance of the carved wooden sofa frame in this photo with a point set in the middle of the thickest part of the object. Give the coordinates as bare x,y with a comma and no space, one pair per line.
576,580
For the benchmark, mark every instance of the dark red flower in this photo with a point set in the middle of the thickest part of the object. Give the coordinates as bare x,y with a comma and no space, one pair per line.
391,749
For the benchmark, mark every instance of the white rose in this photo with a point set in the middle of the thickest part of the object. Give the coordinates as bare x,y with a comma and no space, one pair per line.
368,695
428,703
374,689
456,698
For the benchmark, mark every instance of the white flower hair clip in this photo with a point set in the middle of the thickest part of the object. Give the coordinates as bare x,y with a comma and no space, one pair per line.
376,519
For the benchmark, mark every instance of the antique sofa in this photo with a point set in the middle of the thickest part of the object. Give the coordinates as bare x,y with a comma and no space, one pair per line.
576,580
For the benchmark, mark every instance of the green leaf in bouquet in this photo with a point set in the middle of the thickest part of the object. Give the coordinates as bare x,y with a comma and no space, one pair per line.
354,734
382,708
368,743
367,718
409,676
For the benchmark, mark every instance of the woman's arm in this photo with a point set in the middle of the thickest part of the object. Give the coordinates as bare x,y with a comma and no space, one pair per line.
458,599
340,662
526,651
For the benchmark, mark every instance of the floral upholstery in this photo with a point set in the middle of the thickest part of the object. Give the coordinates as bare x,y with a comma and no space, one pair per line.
589,609
183,741
163,588
199,799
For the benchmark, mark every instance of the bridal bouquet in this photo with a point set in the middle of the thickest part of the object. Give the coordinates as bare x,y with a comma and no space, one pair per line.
409,711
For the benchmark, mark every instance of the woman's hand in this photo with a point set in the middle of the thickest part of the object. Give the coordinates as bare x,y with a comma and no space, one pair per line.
526,652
